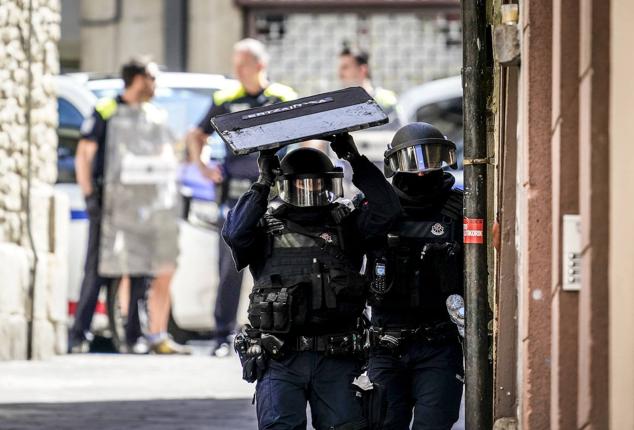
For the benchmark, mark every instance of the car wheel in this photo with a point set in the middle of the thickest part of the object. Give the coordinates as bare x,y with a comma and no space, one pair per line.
180,335
117,316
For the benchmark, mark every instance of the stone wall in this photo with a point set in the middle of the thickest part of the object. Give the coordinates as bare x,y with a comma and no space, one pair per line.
23,45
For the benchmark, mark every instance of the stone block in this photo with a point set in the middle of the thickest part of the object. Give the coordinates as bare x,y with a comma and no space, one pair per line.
15,276
41,198
61,337
60,223
44,339
57,292
42,291
13,332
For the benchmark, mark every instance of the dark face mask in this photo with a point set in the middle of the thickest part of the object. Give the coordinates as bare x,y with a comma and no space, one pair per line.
428,185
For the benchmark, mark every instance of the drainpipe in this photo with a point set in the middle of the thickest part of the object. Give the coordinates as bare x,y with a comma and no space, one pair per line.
27,197
476,78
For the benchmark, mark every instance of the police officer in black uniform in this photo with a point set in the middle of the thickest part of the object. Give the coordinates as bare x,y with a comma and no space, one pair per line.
305,252
415,348
236,174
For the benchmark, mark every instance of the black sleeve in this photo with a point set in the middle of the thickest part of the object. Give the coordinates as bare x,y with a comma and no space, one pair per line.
205,123
241,230
93,128
380,207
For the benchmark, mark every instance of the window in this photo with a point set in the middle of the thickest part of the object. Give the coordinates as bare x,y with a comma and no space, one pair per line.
69,115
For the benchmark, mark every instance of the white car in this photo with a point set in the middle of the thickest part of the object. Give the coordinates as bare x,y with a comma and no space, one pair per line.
186,97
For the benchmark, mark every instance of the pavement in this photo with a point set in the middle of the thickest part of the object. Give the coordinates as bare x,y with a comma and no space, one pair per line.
116,392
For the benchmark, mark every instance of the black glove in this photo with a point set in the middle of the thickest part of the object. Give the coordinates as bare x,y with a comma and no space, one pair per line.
269,165
343,145
255,364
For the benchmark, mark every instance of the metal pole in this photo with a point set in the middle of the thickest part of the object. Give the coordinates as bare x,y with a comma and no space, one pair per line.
476,84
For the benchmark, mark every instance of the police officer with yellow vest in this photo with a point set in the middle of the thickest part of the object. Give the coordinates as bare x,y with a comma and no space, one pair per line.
236,174
99,139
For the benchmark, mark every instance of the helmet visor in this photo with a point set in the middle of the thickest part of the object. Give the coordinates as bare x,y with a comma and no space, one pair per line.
421,158
310,190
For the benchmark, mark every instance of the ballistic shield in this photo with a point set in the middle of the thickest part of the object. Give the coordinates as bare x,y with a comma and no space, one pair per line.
314,117
139,229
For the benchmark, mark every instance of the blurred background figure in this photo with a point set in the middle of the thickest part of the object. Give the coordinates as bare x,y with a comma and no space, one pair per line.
110,155
354,71
236,174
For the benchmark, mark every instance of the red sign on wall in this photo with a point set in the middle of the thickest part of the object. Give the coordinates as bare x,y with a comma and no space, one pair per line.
473,230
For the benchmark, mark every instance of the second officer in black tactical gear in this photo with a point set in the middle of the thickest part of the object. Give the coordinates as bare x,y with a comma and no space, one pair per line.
415,348
305,252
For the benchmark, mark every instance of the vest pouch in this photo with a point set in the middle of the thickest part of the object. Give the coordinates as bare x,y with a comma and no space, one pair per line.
261,309
281,311
265,310
442,264
278,309
347,284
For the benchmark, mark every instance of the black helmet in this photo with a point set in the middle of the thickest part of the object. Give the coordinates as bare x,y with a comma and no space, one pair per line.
419,147
309,178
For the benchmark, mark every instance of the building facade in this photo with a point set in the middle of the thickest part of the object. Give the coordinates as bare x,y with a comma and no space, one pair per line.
33,218
563,349
409,41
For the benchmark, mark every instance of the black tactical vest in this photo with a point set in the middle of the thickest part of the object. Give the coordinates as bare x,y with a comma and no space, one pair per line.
423,260
308,281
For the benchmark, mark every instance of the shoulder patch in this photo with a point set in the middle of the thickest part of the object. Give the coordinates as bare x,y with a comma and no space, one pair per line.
106,107
228,94
282,92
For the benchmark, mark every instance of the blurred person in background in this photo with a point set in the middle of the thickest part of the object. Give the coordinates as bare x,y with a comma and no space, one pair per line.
96,143
236,174
354,71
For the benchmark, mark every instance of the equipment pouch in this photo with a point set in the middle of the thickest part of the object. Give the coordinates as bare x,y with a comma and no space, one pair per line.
281,311
442,265
278,310
248,346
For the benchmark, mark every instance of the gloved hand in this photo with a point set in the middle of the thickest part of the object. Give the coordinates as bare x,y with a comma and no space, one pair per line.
455,308
343,145
269,165
254,364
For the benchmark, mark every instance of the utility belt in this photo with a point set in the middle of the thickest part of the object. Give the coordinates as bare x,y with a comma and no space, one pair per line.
255,348
395,340
332,345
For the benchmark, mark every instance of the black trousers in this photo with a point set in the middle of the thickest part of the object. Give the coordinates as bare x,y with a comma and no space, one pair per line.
308,377
229,286
92,282
426,382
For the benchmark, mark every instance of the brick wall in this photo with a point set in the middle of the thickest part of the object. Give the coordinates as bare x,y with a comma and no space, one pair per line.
23,45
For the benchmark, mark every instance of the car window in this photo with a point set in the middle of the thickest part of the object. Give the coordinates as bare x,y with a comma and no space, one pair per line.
69,115
70,120
446,115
